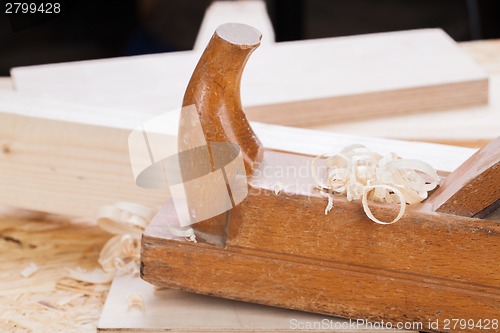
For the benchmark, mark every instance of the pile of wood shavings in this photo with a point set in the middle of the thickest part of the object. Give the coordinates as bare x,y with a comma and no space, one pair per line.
121,254
55,274
47,300
71,307
358,173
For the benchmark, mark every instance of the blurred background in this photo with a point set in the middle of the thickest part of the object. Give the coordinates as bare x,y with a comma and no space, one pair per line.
112,28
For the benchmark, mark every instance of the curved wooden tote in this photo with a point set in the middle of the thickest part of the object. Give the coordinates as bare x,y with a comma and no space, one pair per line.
214,89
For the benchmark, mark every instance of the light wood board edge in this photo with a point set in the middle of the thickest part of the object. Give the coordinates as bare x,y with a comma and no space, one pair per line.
70,159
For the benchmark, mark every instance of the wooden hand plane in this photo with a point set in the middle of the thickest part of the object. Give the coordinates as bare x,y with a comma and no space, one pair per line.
440,262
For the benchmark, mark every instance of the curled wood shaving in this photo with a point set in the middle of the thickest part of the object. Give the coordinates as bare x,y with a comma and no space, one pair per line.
135,300
125,218
186,233
121,254
278,187
329,206
359,173
29,270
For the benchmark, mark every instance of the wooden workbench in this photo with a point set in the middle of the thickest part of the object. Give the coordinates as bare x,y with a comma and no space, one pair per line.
48,298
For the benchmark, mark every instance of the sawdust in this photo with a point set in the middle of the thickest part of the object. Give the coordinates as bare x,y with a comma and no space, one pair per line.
46,300
29,270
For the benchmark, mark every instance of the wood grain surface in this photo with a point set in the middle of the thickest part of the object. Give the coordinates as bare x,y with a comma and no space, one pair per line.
282,250
71,159
214,89
467,126
291,83
473,190
176,311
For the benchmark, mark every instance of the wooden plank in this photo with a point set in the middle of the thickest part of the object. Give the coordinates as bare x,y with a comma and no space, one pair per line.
470,126
72,159
177,311
334,79
484,52
474,125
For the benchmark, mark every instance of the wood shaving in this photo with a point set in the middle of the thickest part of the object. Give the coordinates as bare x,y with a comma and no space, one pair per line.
121,254
278,187
29,270
96,275
329,206
186,233
358,173
125,218
135,300
48,301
